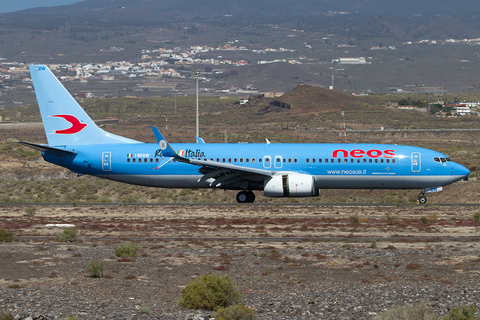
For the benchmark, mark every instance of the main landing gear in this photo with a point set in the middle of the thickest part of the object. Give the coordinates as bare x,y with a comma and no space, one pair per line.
245,197
422,199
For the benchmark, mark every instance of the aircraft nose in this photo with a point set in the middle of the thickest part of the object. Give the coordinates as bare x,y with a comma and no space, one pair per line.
462,171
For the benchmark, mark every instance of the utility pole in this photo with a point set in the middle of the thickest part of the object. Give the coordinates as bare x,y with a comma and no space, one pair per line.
196,76
343,129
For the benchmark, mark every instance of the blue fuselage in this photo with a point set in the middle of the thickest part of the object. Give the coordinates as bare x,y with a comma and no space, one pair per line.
349,166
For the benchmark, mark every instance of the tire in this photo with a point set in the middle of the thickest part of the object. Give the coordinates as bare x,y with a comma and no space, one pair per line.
251,197
243,197
422,199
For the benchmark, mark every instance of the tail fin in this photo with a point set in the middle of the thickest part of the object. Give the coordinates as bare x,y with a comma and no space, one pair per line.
64,120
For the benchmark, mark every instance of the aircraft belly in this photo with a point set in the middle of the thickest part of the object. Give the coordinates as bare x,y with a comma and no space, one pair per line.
164,181
382,182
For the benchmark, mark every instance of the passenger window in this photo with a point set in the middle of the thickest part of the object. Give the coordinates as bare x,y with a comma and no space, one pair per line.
151,159
247,160
234,159
381,160
388,160
345,160
278,159
259,159
157,160
229,159
223,160
393,160
313,160
295,160
289,159
358,160
284,160
376,160
370,160
128,159
253,160
352,160
218,159
267,159
308,160
320,160
339,160
134,159
364,160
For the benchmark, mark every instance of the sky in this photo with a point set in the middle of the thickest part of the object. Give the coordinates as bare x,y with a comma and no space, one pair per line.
11,6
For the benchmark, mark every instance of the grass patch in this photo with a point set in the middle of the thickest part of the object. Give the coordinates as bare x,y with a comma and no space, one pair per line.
210,292
126,250
97,268
6,316
5,235
67,235
236,312
418,312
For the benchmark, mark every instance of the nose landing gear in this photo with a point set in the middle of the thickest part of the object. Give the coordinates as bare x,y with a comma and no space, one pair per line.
245,197
422,199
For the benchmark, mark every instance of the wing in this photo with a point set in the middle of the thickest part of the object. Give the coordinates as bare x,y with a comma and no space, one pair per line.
225,175
217,174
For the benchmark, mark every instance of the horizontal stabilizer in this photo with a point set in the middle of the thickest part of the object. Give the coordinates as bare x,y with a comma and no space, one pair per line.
41,147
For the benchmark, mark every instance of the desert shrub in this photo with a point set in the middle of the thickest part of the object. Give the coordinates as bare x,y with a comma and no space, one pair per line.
67,235
210,292
145,310
476,217
412,266
6,316
236,312
30,211
354,219
5,236
97,268
463,313
429,218
126,250
418,312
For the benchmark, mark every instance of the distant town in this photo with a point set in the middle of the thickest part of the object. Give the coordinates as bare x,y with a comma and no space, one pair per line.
157,69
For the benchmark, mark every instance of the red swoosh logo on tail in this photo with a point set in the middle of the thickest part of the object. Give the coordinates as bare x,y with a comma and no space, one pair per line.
76,125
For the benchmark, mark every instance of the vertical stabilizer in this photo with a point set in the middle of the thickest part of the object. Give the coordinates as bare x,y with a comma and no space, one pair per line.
65,122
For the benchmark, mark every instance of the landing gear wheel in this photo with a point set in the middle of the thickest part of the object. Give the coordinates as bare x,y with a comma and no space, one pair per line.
422,199
251,196
245,197
242,197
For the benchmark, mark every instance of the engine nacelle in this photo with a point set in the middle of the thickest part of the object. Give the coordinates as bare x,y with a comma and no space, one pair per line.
290,185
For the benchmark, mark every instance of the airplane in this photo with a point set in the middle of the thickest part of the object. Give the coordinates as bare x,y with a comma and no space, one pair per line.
278,169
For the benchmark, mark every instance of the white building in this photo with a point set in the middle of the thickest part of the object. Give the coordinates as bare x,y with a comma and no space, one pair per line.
462,111
360,60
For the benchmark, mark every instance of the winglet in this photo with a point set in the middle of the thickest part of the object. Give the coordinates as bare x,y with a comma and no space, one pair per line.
163,144
199,140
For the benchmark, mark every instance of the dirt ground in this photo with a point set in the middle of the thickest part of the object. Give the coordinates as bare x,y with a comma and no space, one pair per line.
292,262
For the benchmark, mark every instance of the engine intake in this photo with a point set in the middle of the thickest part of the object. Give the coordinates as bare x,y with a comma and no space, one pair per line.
290,185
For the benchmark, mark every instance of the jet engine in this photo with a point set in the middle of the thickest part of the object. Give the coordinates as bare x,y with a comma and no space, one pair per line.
290,185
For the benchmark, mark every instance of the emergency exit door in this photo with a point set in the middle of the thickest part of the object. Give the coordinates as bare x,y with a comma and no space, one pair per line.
416,162
107,161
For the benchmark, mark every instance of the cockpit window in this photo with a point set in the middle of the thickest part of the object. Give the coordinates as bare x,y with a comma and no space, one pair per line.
441,160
